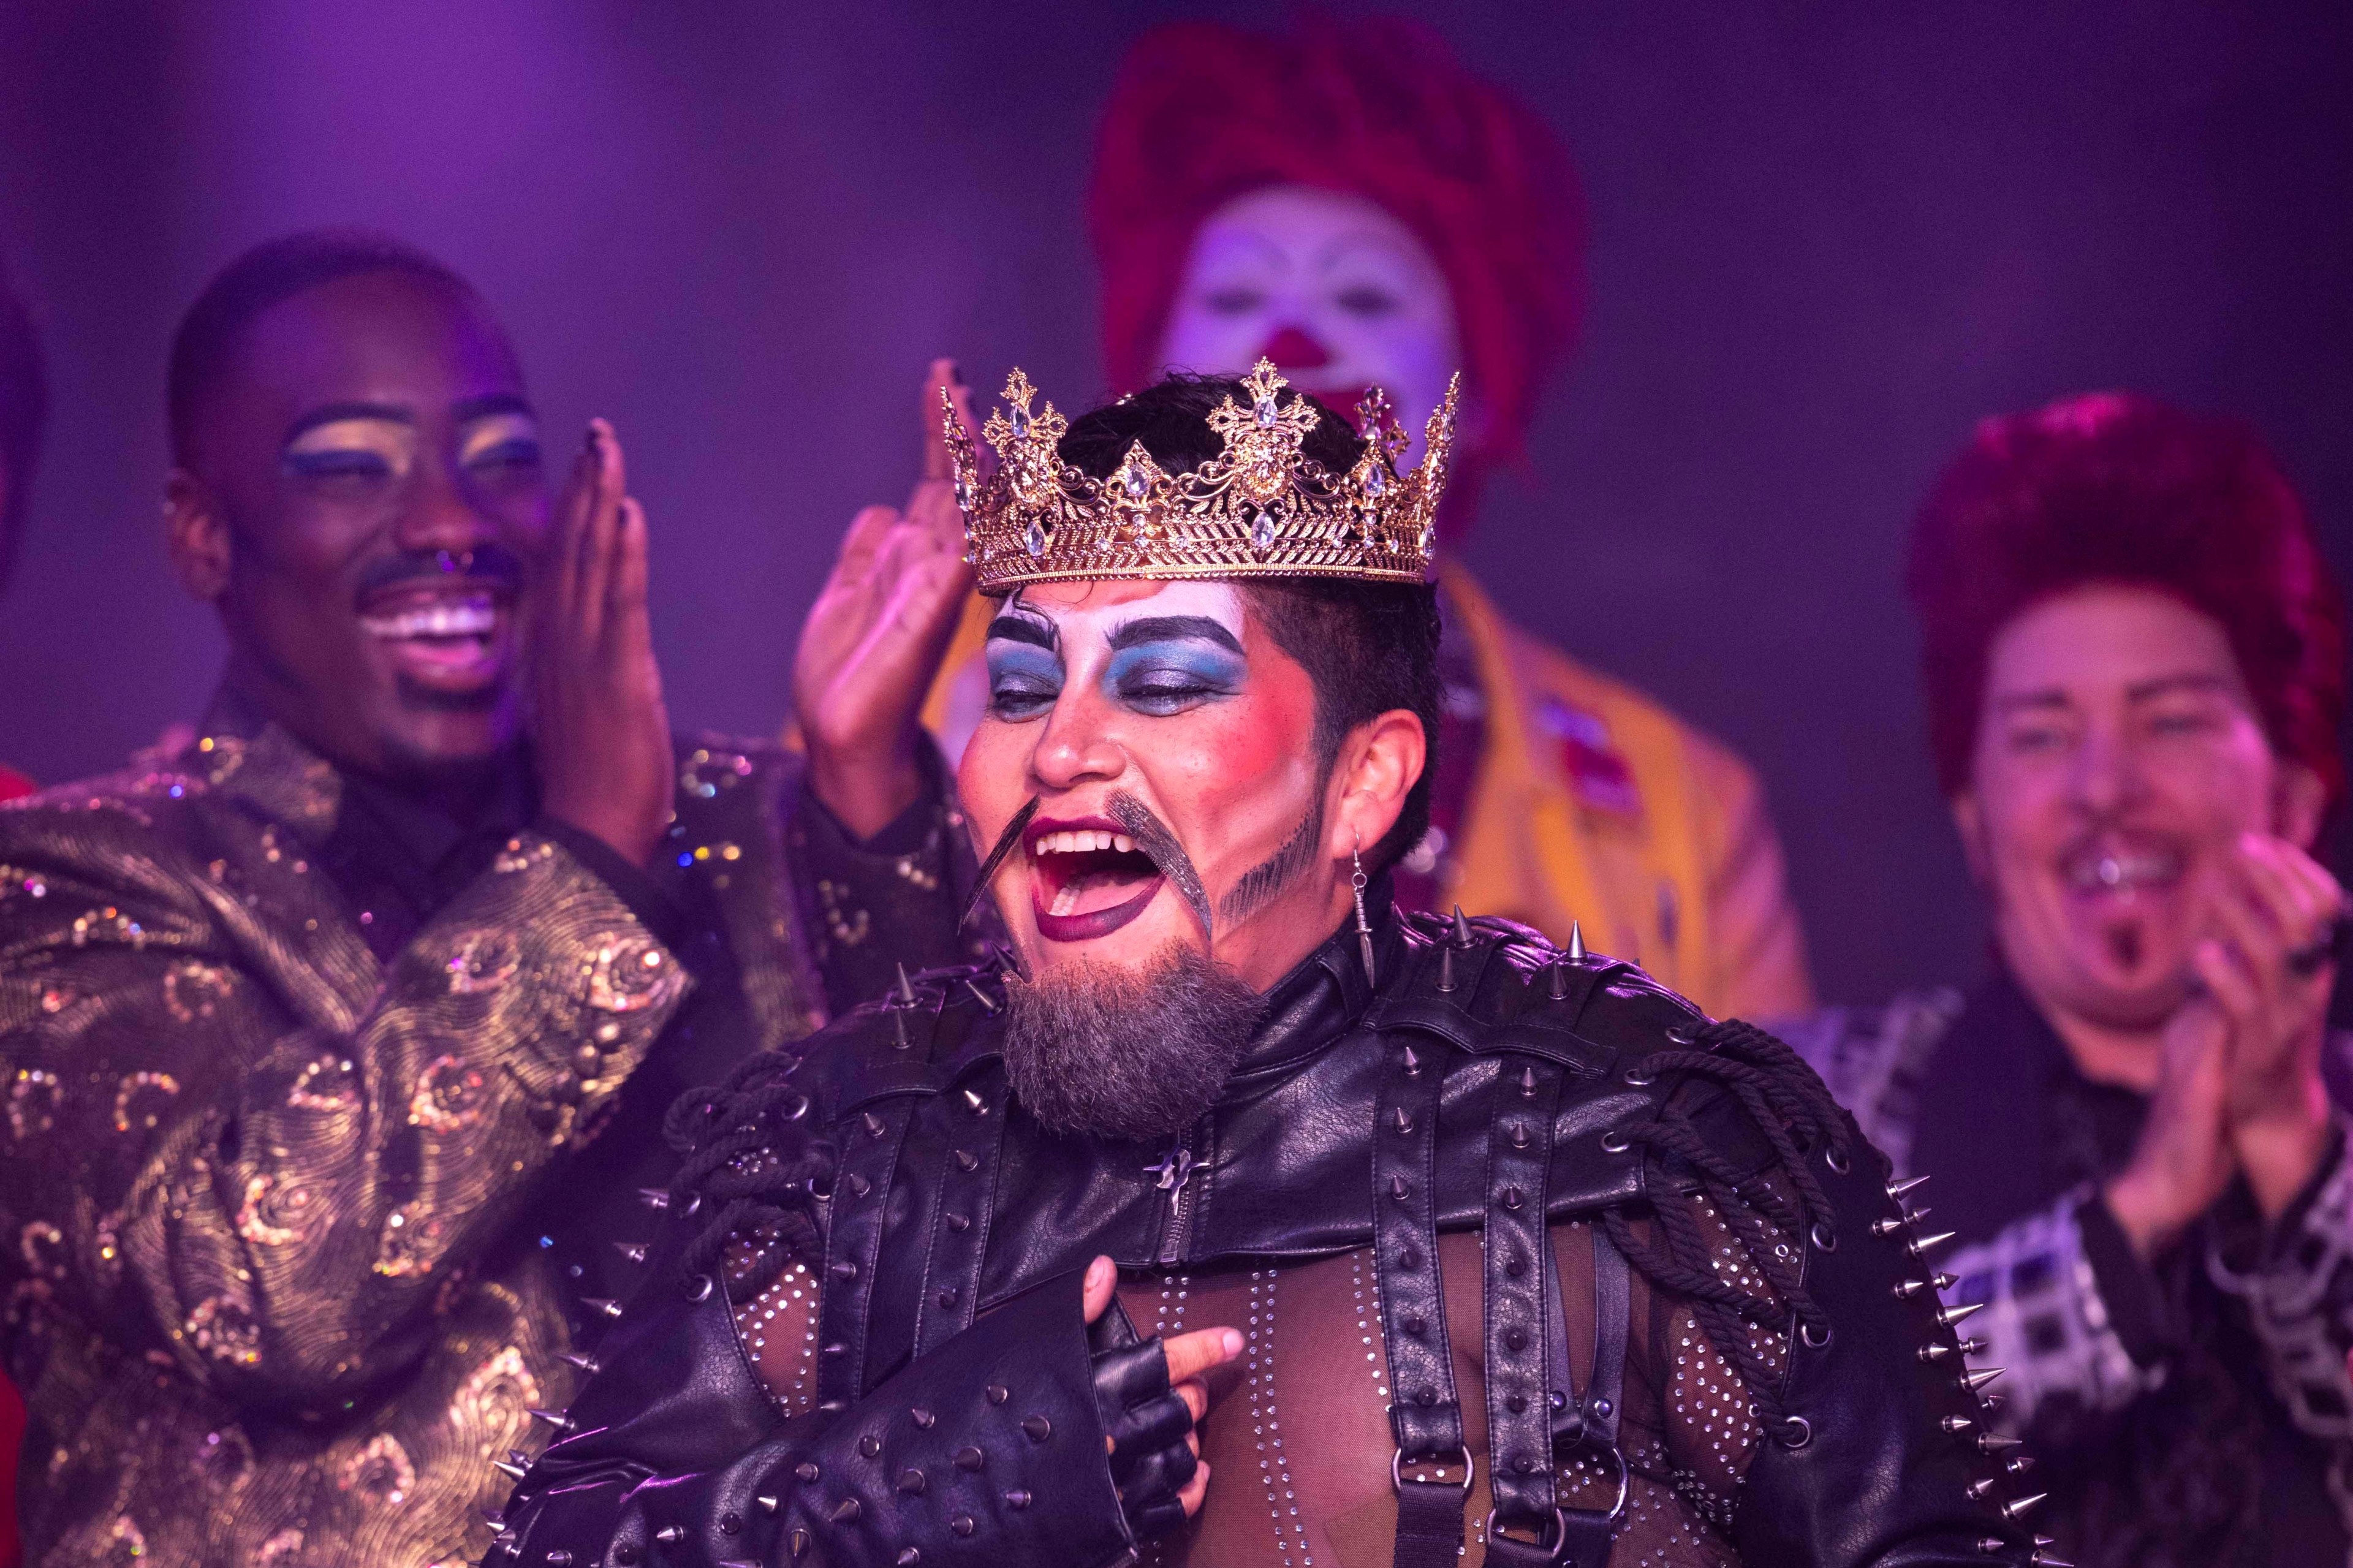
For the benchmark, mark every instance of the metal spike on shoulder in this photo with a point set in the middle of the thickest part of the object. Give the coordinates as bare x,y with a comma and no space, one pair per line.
1576,953
906,996
1462,934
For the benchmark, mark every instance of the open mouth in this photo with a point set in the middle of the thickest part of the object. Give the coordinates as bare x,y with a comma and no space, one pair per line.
1087,877
447,635
2121,882
2110,868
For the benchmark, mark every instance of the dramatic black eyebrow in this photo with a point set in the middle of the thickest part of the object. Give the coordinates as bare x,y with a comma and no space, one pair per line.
1022,628
328,414
1172,628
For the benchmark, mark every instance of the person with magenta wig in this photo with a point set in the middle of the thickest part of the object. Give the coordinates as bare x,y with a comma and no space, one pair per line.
2134,661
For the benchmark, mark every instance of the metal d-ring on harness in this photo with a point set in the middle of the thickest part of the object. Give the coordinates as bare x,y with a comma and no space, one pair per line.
1587,1426
1534,1413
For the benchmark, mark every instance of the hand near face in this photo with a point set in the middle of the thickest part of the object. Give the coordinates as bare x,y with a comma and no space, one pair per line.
600,731
2277,911
875,637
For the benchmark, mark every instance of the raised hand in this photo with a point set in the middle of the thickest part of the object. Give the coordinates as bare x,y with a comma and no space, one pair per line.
2268,967
599,731
2184,1160
874,639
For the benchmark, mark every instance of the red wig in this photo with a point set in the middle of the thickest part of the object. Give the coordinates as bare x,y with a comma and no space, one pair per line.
1380,109
2114,487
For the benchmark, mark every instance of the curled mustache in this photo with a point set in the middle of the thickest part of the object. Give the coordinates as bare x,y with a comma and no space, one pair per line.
1160,846
1004,843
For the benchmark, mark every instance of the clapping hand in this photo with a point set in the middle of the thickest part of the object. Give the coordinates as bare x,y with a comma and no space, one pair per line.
600,734
2269,967
2240,1091
875,637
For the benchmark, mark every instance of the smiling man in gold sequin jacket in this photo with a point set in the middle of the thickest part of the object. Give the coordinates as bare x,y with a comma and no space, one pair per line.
333,1039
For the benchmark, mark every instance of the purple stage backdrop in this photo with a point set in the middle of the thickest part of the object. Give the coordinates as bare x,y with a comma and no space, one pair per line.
1826,239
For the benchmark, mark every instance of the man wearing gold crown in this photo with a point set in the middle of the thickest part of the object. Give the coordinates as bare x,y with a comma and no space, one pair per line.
1346,200
1237,1217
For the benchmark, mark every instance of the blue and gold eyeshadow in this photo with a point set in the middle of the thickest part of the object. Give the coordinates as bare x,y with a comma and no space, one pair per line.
353,451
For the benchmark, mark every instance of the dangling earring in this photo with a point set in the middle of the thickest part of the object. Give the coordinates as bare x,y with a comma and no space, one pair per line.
1364,927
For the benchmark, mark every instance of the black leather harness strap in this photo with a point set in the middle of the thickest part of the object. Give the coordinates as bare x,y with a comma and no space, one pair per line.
960,1215
853,1242
1519,1342
1589,1425
1425,1413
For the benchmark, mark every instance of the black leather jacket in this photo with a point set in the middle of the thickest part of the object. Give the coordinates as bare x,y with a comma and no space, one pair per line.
963,1408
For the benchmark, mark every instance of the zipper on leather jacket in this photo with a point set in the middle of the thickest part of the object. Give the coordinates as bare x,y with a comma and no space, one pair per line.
1176,1172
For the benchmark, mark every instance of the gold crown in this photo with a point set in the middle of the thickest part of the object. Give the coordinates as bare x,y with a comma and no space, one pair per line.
1260,508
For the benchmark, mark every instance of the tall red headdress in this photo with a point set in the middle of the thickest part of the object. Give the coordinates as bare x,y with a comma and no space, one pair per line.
1379,108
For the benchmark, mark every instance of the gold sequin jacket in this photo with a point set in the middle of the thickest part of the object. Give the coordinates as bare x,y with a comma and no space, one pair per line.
273,1290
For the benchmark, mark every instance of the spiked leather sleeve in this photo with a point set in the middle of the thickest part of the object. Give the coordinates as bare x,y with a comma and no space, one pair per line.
2040,1309
990,1449
1879,1454
240,1142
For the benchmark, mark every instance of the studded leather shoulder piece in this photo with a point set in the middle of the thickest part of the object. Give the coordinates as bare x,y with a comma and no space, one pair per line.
1510,1004
926,1030
990,1450
1880,1453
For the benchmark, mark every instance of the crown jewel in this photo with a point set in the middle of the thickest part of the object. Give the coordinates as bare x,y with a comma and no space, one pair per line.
1260,508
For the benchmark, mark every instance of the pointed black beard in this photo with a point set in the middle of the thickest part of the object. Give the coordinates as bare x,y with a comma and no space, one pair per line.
1095,1050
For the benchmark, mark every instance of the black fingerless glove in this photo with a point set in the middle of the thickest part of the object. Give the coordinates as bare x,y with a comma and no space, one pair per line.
1147,1425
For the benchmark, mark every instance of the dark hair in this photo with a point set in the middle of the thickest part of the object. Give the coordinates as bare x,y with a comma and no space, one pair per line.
1369,648
2115,488
24,407
273,272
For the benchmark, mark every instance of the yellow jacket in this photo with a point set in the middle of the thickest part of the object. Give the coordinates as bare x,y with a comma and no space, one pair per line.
1590,802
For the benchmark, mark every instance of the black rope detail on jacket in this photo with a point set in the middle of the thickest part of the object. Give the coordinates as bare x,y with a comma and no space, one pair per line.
755,1165
1788,1104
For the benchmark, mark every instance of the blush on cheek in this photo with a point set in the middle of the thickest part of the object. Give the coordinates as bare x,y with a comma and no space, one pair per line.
1249,778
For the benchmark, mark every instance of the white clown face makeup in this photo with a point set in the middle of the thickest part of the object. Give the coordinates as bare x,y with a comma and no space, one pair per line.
1170,743
1330,286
